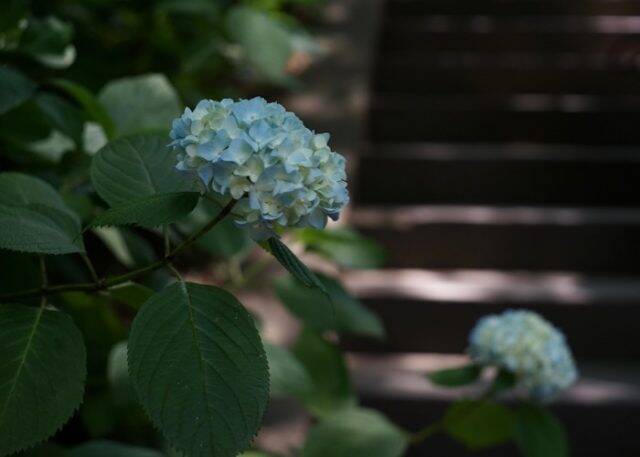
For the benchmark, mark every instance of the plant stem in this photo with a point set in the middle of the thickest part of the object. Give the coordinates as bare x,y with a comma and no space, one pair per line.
105,283
92,270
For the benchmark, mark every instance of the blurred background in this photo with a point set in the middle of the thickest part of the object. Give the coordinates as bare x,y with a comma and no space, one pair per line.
492,147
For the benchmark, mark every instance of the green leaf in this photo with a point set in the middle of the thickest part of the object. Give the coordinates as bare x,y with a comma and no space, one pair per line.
15,89
504,380
62,115
292,264
356,432
345,247
141,104
39,229
48,41
111,449
287,375
334,310
44,450
22,190
266,43
150,211
42,374
456,377
92,106
199,368
479,424
139,166
539,433
325,364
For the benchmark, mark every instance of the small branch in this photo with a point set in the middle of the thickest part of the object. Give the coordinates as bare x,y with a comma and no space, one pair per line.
92,270
105,283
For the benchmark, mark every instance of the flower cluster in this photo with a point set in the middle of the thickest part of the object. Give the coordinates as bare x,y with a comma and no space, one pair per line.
525,344
282,173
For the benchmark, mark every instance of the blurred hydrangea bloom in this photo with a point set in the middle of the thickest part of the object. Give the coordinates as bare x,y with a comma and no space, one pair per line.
283,173
525,344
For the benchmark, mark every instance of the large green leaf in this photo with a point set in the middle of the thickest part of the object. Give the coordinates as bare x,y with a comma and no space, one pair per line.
149,211
334,310
198,365
15,89
22,190
325,364
292,264
42,374
134,167
345,247
141,103
39,229
456,377
479,424
355,432
287,375
539,433
111,449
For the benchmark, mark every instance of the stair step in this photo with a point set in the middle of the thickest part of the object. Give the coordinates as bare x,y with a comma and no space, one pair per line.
410,77
434,310
601,412
507,177
403,123
403,8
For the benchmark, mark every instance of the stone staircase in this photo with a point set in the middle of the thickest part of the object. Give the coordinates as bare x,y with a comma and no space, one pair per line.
501,169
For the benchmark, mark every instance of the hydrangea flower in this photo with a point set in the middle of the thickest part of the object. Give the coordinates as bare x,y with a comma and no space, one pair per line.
525,344
282,173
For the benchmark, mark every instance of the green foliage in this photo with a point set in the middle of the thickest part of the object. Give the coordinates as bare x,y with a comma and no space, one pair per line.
204,332
39,229
110,449
326,366
61,115
141,104
334,309
134,167
345,247
42,374
149,211
287,375
479,424
355,432
292,264
539,433
15,89
503,381
456,377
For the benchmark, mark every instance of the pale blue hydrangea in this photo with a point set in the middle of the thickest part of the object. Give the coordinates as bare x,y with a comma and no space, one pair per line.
525,344
284,174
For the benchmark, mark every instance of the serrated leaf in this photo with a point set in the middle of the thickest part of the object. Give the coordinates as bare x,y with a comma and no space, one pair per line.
199,369
62,115
138,166
292,264
479,424
325,364
141,104
355,432
334,310
345,247
38,229
42,374
456,377
15,89
539,433
17,189
287,375
111,449
150,211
